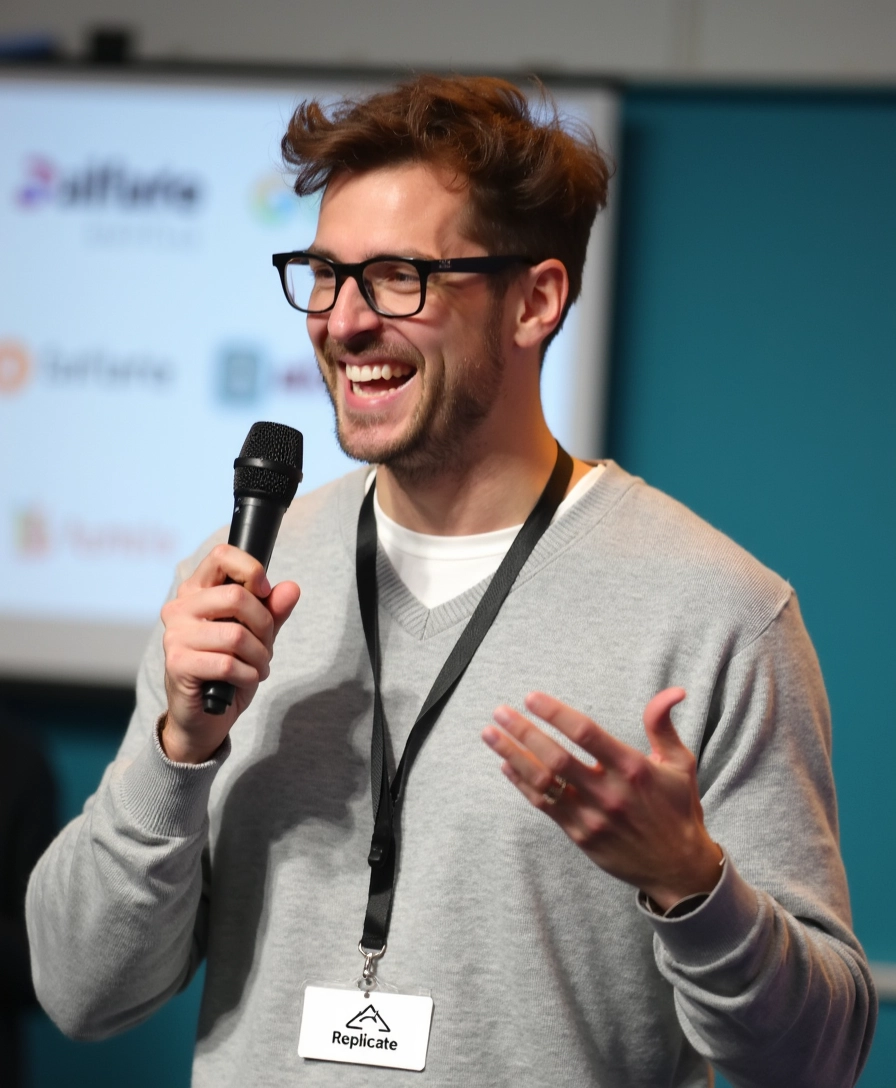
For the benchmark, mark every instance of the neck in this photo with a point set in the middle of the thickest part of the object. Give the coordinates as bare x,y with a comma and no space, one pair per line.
489,490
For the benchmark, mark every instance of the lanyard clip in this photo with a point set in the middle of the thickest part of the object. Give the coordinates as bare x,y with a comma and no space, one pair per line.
380,846
368,974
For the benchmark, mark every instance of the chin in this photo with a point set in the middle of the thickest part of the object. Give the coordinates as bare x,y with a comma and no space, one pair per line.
361,445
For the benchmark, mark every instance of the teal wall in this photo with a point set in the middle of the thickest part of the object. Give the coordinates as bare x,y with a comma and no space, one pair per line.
754,379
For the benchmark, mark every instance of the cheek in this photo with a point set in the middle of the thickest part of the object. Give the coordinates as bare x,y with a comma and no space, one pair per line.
316,328
317,335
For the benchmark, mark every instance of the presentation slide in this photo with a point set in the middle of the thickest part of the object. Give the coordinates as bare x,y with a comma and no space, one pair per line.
143,330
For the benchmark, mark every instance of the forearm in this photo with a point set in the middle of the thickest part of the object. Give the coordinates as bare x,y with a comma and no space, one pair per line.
113,903
769,999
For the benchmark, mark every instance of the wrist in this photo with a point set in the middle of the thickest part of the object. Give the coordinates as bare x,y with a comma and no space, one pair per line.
178,746
683,907
700,879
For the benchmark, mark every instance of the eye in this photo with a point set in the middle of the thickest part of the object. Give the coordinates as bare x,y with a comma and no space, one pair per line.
402,275
395,276
321,273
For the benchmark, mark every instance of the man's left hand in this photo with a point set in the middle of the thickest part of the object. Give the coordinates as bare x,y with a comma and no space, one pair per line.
637,816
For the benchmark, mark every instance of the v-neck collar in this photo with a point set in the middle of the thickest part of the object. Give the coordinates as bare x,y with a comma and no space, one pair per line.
422,622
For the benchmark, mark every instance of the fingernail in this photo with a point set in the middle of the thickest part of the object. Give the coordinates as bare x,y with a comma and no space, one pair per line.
502,715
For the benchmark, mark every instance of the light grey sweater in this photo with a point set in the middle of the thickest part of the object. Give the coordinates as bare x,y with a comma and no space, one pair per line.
543,969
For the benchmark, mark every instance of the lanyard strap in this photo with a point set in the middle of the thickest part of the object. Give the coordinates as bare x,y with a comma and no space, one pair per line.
387,796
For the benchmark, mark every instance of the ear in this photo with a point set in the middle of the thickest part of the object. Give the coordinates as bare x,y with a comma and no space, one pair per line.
542,293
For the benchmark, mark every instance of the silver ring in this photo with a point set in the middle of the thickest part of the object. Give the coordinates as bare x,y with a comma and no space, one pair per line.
555,791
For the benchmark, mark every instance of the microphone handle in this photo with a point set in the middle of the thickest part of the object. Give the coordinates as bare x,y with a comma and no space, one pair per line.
253,529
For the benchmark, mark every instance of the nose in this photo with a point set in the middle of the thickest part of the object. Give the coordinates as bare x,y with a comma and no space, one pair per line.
351,315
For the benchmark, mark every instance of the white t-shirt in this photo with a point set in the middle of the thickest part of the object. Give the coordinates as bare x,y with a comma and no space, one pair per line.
438,568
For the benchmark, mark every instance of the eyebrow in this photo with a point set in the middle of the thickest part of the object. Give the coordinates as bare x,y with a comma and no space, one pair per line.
322,251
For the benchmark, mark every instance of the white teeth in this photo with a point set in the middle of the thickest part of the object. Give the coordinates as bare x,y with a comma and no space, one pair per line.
356,373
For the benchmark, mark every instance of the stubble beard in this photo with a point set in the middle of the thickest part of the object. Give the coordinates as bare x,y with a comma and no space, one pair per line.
437,440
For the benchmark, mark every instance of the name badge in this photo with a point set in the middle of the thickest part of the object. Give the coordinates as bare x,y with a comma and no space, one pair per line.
379,1028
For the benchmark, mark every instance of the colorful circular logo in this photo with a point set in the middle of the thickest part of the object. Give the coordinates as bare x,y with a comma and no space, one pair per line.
15,366
273,201
275,204
39,187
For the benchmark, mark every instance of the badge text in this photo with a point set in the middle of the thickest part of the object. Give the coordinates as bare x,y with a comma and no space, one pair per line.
364,1040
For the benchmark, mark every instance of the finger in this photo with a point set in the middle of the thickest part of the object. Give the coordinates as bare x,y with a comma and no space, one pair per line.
547,753
282,600
249,633
558,809
566,810
188,665
222,602
581,785
193,668
225,561
665,744
525,766
223,638
580,729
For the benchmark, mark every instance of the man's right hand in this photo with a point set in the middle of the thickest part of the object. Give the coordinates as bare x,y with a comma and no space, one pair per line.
237,649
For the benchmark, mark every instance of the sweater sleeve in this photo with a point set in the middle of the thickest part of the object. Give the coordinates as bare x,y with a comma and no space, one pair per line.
770,983
115,906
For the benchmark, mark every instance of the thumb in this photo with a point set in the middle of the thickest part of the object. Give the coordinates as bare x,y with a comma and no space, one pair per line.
281,601
665,744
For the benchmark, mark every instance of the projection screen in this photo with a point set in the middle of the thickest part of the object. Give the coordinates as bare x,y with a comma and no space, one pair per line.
143,330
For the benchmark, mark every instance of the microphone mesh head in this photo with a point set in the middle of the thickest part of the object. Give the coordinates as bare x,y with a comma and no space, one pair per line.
279,444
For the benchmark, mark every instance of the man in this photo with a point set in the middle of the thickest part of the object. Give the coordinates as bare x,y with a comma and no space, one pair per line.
650,897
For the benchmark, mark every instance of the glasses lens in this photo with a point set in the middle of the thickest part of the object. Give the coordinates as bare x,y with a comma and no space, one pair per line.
311,284
393,287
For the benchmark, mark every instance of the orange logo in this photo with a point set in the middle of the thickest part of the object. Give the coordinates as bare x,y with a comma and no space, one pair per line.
32,534
15,365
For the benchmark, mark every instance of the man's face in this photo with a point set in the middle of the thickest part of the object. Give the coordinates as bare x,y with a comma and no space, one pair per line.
407,392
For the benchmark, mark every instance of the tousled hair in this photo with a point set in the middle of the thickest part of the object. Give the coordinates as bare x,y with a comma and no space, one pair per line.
535,181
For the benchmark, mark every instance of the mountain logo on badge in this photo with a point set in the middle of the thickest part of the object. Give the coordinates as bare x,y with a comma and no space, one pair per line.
368,1018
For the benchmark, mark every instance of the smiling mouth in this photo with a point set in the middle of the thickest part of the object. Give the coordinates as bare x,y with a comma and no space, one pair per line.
374,381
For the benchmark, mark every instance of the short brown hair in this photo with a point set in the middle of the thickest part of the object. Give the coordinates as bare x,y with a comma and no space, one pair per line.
535,182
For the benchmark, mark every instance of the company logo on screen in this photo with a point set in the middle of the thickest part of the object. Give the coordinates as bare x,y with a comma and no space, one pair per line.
110,185
244,376
274,203
31,533
15,367
89,368
36,535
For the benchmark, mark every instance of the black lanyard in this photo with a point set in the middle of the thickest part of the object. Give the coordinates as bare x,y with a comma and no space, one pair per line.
387,797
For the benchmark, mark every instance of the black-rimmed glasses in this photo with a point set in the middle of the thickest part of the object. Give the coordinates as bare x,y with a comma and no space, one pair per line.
391,286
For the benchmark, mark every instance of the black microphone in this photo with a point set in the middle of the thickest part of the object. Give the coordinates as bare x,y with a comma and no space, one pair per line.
267,474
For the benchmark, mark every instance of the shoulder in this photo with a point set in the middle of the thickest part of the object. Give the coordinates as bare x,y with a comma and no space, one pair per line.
333,505
683,564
